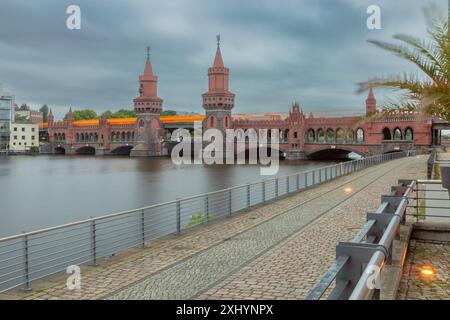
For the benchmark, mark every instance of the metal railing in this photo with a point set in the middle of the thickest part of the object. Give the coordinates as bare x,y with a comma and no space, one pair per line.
357,261
431,202
33,255
430,163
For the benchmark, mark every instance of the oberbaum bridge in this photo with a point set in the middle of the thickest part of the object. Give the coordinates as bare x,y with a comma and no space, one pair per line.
301,136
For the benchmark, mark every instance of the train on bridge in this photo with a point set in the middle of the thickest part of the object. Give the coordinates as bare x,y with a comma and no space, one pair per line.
301,136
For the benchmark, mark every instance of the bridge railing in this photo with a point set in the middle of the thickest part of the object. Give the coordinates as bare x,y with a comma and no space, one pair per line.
33,255
358,262
430,163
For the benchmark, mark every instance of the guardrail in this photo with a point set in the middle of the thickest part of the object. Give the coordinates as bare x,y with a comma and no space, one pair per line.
360,261
33,255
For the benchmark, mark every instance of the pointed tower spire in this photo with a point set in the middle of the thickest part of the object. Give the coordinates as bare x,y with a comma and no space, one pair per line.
218,62
148,71
371,103
70,116
50,117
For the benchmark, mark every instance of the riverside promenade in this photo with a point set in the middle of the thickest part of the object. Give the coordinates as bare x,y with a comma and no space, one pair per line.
276,251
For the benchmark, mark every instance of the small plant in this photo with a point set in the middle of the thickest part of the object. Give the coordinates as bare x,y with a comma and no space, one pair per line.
198,219
34,150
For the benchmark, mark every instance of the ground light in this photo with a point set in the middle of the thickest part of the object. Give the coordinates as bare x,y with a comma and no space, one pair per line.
426,271
348,189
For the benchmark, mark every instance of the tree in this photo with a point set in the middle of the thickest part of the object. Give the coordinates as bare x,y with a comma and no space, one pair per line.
24,107
44,110
84,114
430,94
169,113
107,114
124,113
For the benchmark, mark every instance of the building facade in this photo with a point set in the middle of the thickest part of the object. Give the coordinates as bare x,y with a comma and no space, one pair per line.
6,118
301,135
24,136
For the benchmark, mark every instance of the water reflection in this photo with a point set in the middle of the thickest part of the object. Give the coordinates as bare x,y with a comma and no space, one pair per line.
38,192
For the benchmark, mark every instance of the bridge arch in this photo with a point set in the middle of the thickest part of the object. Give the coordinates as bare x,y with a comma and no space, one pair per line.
122,150
86,150
340,152
310,136
409,134
350,136
330,137
59,150
340,136
320,135
398,135
386,133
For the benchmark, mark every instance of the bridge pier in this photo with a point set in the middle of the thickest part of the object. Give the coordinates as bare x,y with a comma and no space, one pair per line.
295,155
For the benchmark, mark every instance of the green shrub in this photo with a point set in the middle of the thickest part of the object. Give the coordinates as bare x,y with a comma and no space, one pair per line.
198,219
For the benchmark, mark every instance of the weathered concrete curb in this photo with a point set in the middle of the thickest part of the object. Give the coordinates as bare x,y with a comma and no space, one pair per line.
428,231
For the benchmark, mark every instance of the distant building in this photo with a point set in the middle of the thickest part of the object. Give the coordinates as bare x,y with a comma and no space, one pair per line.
31,115
6,104
23,136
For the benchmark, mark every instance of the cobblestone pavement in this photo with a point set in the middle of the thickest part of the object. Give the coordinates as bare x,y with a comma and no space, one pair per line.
290,269
188,278
169,267
416,284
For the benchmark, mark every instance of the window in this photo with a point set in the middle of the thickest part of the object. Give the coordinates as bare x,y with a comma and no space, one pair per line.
15,137
23,137
320,136
409,134
15,129
340,136
330,136
350,136
32,137
23,129
311,136
397,134
32,129
359,135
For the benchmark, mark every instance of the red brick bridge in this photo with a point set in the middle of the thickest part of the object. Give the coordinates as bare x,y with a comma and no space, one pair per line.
302,136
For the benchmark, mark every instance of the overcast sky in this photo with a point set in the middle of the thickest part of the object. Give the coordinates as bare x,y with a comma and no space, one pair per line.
311,51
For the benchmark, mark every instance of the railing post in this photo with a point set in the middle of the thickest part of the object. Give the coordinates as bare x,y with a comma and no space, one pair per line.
206,208
143,227
27,264
248,195
313,180
264,191
94,242
298,181
287,184
229,202
320,175
276,187
178,216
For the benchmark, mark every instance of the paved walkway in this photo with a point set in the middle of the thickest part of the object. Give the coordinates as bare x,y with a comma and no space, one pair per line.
438,211
415,285
275,251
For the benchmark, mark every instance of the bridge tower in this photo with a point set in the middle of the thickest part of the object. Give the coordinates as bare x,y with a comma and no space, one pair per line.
148,107
218,100
371,103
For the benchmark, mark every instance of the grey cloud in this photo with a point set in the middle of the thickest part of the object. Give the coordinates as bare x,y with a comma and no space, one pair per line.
278,51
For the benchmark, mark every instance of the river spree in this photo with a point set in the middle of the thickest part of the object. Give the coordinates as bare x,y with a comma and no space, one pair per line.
44,191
